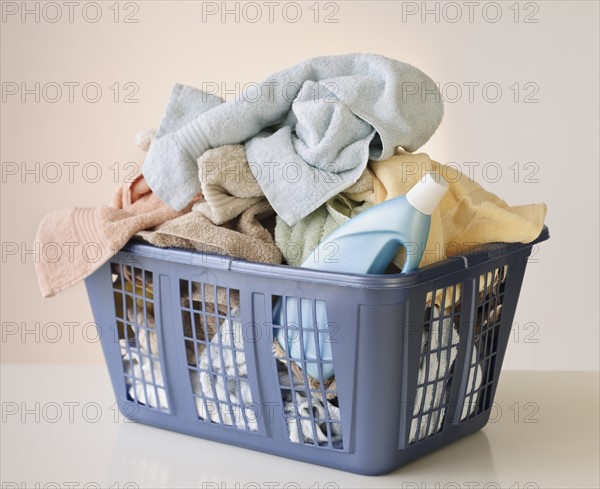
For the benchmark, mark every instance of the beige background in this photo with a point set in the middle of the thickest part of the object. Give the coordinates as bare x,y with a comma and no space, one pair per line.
557,319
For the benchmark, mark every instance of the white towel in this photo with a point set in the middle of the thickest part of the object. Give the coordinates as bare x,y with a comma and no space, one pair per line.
224,401
148,386
436,392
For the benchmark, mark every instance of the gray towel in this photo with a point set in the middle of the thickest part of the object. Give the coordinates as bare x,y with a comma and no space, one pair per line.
185,105
309,130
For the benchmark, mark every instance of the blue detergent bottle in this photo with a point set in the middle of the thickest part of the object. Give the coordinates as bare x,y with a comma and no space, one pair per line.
367,243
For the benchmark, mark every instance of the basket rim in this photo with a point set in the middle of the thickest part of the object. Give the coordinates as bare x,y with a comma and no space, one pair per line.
481,254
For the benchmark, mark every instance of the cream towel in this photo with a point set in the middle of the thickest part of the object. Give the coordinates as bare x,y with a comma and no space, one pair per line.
228,186
467,215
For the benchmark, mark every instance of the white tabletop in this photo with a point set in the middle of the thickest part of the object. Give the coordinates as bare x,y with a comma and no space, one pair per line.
60,428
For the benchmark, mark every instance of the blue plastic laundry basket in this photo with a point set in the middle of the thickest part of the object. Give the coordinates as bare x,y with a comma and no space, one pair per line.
188,340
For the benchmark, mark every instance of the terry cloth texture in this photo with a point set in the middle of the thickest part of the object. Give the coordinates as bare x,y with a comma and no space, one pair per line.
244,237
227,184
298,242
309,130
185,105
85,238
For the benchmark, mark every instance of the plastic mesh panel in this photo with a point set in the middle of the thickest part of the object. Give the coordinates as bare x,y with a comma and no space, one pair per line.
308,388
439,344
485,341
133,292
215,353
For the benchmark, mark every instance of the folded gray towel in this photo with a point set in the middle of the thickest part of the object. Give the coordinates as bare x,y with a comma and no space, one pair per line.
309,130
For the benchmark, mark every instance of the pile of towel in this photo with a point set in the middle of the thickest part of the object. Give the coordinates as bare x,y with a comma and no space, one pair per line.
266,177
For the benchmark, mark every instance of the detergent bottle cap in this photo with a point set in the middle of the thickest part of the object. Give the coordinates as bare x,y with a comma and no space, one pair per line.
427,193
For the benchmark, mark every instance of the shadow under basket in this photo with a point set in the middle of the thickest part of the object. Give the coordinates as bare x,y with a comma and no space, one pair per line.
190,343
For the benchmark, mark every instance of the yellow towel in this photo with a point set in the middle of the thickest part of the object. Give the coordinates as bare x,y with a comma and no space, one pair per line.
467,215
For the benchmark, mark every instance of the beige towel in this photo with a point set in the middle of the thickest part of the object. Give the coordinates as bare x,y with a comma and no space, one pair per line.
85,238
243,237
228,185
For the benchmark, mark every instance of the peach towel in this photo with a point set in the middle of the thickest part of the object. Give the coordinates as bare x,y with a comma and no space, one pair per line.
86,237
